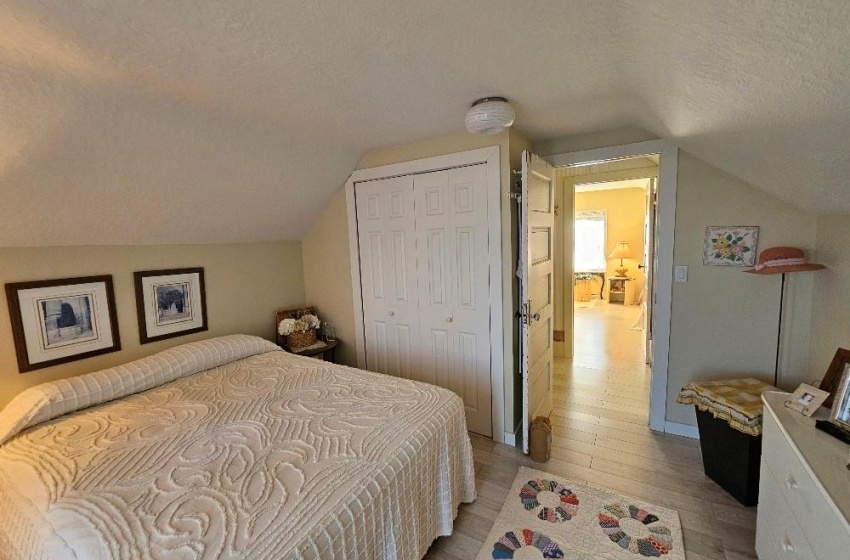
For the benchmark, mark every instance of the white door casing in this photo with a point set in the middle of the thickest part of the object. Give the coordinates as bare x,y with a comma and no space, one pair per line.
649,264
452,240
385,216
536,274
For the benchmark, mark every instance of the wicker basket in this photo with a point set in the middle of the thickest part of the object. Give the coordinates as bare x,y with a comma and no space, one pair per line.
301,339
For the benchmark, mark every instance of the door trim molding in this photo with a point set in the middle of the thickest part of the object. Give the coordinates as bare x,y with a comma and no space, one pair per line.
489,156
667,185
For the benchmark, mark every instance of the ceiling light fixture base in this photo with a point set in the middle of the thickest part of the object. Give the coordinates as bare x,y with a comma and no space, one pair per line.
489,115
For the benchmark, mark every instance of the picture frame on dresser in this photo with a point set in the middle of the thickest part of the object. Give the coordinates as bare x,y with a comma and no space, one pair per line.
62,320
840,412
170,303
832,378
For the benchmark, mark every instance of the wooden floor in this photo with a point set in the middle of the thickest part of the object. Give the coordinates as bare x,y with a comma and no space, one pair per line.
600,436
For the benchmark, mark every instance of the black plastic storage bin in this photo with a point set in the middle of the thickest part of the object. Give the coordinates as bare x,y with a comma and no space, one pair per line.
730,458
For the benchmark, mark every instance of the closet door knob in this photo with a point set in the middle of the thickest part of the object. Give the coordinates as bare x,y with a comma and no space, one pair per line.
449,319
392,313
791,483
787,546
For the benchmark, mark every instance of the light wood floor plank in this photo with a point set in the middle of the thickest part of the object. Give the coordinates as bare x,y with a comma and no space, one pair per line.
600,436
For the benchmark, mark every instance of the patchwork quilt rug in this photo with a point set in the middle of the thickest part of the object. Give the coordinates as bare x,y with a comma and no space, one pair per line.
547,516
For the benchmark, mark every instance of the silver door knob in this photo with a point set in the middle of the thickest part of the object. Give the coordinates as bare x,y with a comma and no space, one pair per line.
392,313
448,319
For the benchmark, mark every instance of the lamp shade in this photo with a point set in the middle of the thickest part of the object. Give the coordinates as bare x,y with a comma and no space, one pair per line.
490,115
621,251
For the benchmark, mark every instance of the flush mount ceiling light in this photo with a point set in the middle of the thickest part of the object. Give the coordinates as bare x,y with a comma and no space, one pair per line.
490,115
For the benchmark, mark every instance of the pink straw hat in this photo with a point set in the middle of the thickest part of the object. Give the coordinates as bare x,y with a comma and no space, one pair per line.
777,260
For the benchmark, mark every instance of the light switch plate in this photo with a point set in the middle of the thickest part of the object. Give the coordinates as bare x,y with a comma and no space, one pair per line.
680,274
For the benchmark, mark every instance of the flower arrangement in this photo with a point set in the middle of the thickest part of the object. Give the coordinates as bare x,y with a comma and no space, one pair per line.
303,324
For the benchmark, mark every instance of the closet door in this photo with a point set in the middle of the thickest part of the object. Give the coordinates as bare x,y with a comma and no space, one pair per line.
453,271
387,245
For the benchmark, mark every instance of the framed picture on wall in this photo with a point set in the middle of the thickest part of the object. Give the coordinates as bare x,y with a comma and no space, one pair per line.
170,303
730,245
62,320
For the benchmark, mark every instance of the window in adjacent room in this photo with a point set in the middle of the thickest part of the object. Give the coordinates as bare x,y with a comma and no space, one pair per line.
590,241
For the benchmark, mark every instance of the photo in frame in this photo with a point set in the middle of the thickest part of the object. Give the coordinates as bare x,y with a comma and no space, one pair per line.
840,413
806,399
832,378
62,320
730,245
170,303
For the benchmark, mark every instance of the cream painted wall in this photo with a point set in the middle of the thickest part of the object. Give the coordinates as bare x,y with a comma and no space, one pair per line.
245,283
625,210
724,321
327,274
327,271
831,307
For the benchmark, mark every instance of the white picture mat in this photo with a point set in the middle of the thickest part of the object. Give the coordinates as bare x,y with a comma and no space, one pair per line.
37,350
152,325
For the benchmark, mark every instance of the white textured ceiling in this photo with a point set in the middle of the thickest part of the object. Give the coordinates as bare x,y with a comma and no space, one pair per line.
164,121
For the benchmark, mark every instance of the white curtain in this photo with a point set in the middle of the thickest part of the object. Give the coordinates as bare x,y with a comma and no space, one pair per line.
589,255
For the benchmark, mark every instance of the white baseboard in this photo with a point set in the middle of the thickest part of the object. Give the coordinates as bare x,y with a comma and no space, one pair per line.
685,430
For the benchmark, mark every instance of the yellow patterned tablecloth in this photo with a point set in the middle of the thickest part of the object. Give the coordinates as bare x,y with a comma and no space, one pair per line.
737,401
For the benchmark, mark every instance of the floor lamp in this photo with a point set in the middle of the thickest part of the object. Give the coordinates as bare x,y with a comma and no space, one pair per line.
782,260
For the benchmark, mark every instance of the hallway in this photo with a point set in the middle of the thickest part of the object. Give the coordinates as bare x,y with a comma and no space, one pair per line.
600,436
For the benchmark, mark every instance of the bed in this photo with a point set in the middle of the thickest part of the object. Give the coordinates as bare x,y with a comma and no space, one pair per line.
231,448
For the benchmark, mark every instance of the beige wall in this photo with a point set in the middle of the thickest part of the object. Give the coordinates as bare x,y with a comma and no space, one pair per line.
831,307
327,271
724,321
245,283
625,210
327,274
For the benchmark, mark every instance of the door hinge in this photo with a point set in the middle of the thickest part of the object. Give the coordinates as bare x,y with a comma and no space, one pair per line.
515,196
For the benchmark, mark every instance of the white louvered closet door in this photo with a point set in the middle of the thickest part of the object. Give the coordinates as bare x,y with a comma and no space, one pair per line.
453,277
387,240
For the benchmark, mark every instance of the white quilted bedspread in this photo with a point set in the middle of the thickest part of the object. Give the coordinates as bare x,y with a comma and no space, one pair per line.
269,456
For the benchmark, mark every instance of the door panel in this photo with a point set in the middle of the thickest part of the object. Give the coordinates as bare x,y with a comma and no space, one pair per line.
451,218
387,244
537,221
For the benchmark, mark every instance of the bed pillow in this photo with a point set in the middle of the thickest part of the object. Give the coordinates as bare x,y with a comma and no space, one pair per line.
55,398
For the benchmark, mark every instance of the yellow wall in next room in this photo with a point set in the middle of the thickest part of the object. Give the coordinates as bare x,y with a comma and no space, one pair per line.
625,210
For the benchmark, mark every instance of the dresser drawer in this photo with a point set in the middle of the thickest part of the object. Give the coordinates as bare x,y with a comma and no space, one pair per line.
778,534
815,515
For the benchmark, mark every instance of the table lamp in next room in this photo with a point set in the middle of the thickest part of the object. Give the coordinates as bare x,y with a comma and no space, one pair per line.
621,251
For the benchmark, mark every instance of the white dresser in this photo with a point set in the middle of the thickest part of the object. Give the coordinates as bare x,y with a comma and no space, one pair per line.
804,490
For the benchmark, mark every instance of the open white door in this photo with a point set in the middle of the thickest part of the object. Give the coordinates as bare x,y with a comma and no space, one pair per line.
536,271
649,264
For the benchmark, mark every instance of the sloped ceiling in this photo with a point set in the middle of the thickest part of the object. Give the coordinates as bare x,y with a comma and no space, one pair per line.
160,121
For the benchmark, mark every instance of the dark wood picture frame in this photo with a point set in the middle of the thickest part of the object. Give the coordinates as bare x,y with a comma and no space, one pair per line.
19,333
833,374
141,304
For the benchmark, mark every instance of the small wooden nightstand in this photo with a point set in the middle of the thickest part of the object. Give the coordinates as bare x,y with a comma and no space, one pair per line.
620,290
326,352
